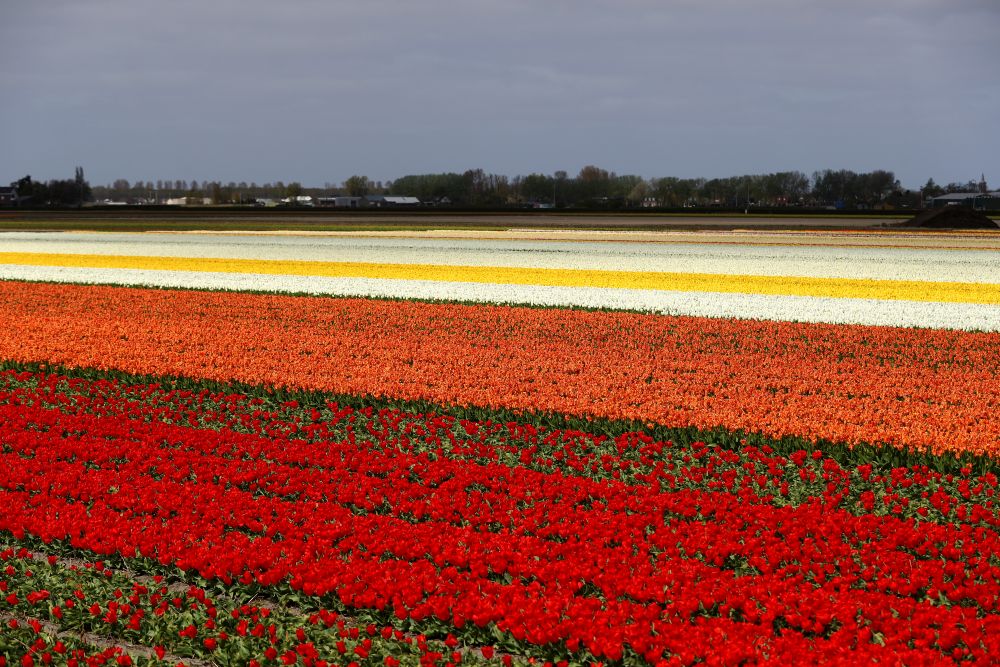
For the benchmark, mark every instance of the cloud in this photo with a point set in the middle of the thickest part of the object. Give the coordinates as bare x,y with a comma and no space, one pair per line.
324,89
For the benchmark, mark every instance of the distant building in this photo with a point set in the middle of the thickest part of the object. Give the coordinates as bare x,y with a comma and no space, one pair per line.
340,202
300,200
436,201
402,201
189,201
988,201
8,196
390,201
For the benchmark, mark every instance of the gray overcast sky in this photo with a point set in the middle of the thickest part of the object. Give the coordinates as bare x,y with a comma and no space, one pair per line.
314,91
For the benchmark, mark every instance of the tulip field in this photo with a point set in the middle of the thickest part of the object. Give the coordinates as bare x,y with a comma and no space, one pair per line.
522,448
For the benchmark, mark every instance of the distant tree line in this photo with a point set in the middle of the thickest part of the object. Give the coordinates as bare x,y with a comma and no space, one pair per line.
62,193
592,187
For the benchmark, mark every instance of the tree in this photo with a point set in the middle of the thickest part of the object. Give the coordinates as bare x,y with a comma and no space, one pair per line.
482,189
628,188
537,187
592,183
931,189
357,186
638,193
215,190
293,190
559,187
877,185
431,187
194,195
82,187
835,187
671,191
28,191
794,185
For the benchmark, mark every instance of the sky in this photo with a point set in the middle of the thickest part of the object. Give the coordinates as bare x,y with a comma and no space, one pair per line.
315,91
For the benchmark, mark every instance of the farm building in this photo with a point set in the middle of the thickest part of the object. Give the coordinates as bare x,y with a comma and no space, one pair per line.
341,202
385,201
188,201
8,196
989,201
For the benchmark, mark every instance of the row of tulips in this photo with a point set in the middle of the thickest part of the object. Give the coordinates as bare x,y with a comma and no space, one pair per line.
930,389
963,489
623,548
27,645
86,613
878,312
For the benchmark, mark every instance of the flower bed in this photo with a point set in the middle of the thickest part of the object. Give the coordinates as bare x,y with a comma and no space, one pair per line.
883,278
443,534
213,478
928,389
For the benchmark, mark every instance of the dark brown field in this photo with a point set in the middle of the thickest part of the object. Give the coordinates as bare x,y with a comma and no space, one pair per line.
332,220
